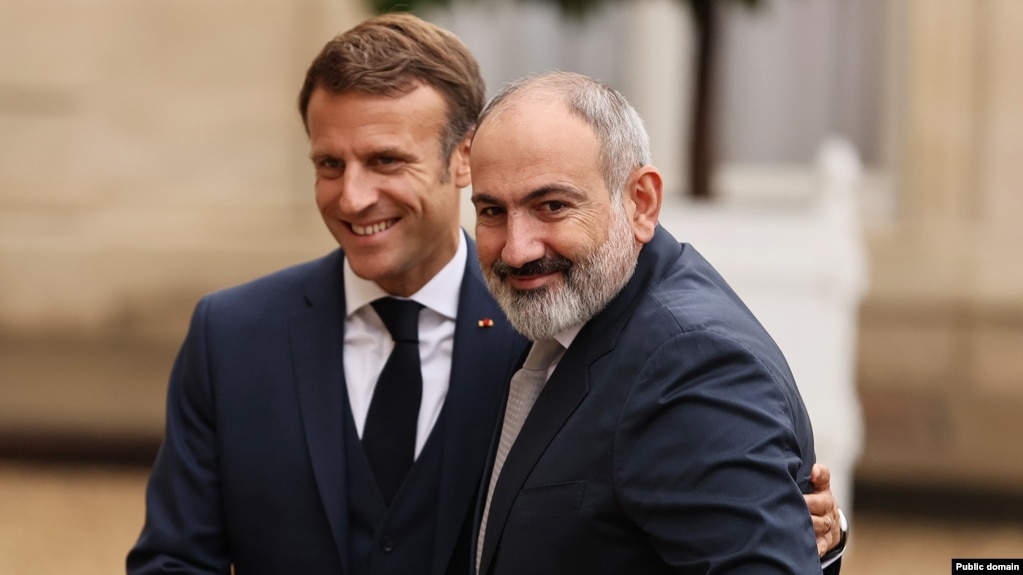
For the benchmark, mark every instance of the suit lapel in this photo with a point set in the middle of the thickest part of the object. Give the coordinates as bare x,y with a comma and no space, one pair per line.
567,387
315,335
481,362
560,396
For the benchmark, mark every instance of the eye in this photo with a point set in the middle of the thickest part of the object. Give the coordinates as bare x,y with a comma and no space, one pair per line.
327,163
490,211
554,206
386,162
328,168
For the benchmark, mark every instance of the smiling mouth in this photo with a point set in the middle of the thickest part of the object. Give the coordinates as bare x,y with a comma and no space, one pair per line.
372,228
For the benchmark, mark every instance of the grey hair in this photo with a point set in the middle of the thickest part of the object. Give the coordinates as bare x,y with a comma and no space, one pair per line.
624,143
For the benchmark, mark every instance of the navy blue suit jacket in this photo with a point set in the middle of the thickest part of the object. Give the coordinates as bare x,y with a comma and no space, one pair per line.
670,438
252,468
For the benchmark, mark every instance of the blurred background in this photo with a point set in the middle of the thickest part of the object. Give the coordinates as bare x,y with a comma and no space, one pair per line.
852,167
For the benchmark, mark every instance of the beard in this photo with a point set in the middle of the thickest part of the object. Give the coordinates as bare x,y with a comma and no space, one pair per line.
589,284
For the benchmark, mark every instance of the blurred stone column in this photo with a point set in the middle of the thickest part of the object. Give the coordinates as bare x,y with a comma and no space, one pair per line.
942,374
659,82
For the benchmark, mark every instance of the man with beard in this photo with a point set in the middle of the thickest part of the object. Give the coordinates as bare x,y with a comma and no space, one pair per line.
661,431
276,457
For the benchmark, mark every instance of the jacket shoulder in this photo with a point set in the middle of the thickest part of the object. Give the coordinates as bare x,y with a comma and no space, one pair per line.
291,288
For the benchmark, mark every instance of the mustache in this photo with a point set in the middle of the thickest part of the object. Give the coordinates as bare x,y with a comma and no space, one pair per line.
544,265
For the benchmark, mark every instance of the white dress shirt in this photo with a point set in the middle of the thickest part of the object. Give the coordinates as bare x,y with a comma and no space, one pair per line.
565,338
367,343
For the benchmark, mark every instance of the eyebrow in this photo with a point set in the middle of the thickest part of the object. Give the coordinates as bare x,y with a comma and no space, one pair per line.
539,193
389,150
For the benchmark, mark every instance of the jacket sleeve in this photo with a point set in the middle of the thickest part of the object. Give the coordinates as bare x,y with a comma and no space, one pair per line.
184,526
708,463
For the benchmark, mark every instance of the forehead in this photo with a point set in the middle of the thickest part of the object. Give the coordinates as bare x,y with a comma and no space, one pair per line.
533,142
422,111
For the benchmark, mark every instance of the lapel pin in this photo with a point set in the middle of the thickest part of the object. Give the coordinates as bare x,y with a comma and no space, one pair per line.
485,322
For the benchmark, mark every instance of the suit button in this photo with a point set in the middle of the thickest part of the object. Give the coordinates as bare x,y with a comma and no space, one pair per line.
387,544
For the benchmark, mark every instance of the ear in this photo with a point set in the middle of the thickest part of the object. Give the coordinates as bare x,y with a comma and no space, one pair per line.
643,202
459,164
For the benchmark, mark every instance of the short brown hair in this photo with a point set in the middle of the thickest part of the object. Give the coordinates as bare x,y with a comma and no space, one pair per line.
391,55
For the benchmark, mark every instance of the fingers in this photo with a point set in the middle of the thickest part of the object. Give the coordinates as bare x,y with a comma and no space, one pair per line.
817,503
821,501
823,509
820,477
822,546
822,525
826,532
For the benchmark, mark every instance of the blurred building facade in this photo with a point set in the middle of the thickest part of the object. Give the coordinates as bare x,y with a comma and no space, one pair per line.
941,373
151,152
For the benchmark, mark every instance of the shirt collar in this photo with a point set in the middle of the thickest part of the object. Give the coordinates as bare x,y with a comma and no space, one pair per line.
566,337
439,294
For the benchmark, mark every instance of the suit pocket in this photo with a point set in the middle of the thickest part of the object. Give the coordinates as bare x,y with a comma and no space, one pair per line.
547,500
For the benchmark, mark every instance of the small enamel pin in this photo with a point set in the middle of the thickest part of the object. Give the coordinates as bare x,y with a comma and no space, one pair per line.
485,322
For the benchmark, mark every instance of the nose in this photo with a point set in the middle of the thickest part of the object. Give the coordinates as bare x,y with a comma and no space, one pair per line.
523,240
357,191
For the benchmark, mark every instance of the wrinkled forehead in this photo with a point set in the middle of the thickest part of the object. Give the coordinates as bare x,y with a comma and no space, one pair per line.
532,121
532,147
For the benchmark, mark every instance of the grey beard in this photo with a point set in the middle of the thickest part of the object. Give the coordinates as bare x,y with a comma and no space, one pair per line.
588,286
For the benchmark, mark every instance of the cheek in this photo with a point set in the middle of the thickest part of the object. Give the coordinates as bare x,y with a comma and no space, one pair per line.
325,194
579,237
489,243
443,199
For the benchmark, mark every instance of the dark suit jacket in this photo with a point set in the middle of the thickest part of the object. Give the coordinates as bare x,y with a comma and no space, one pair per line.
252,469
671,438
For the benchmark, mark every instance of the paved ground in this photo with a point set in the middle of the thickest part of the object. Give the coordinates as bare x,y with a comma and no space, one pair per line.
81,520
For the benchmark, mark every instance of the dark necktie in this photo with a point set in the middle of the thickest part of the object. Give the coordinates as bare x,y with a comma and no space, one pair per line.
389,436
